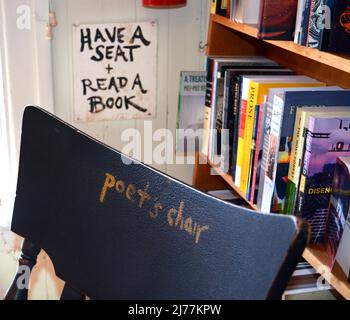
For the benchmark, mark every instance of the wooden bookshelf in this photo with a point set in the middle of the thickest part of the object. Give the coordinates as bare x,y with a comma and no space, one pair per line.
229,38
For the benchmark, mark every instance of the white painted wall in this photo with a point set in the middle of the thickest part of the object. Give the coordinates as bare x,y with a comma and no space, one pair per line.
28,65
180,31
27,70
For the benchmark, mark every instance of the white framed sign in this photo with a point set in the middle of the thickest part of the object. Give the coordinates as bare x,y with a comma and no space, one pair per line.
115,71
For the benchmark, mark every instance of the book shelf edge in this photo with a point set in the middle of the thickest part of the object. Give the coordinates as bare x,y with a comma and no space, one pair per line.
325,58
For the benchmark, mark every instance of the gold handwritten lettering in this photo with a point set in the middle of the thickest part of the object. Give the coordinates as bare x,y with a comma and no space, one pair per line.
120,186
179,213
199,231
130,191
144,195
188,225
109,183
157,208
170,215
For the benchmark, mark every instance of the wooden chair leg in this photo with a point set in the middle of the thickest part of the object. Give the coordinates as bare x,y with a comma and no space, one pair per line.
70,293
27,260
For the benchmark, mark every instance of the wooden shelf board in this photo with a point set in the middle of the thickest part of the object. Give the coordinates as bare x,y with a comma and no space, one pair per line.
340,62
315,255
230,182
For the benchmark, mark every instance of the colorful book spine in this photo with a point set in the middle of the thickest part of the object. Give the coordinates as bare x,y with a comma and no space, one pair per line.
316,24
305,23
258,153
241,130
265,154
271,149
252,153
326,139
298,26
246,150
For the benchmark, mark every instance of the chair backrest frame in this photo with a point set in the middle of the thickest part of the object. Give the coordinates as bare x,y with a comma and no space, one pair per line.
127,231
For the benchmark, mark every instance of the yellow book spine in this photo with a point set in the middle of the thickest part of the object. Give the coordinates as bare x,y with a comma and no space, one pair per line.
213,7
248,134
296,146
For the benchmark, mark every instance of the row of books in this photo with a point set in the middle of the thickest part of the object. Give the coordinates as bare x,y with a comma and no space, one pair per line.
278,134
320,24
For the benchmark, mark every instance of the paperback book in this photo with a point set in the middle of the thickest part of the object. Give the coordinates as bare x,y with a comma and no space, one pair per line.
327,138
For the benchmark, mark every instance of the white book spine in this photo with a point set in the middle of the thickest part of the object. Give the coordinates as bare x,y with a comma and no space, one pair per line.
272,150
300,10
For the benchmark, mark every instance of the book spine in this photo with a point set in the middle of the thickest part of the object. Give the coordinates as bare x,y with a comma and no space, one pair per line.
298,27
316,24
207,107
257,152
272,151
252,154
328,11
225,143
339,39
212,121
305,23
300,202
213,6
295,162
248,134
236,123
264,159
241,142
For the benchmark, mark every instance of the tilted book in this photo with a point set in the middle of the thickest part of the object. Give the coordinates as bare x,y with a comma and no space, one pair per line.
327,138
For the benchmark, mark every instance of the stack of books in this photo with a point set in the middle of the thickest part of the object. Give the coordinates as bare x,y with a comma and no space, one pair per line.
320,24
278,135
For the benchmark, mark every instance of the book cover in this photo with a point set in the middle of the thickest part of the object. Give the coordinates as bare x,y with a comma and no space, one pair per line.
301,120
339,38
257,91
326,139
339,206
277,19
190,108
